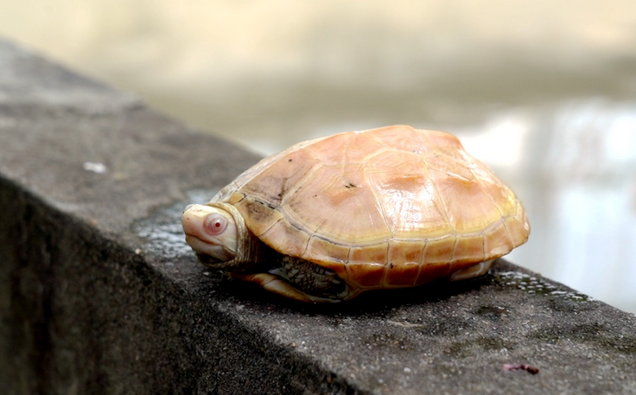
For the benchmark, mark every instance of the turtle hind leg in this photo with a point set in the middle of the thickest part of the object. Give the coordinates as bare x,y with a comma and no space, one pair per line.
473,271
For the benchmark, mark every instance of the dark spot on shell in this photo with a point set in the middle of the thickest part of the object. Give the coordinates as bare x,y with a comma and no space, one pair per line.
350,185
289,160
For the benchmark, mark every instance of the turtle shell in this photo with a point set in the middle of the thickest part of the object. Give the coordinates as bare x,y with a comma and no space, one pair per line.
383,208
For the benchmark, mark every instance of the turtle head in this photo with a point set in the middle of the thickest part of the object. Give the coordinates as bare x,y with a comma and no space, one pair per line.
212,233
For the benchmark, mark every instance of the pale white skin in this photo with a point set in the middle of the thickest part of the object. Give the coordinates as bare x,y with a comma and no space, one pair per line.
210,231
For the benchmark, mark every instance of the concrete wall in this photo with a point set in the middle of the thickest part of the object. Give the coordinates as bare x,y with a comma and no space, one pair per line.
98,293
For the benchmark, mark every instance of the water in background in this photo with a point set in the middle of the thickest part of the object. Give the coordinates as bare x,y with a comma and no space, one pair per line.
542,91
574,167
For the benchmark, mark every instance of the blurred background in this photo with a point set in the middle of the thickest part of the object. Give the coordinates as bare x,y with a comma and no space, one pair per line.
542,91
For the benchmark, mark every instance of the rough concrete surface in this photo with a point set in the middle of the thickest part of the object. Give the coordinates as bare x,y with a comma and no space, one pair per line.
98,293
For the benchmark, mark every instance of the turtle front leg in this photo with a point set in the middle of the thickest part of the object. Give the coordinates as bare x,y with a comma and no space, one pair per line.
311,279
301,280
280,286
274,282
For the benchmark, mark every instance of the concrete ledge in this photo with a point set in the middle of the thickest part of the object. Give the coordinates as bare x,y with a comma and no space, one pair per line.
98,293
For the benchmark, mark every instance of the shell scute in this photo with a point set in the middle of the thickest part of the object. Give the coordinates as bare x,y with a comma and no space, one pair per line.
401,274
454,191
432,271
281,178
353,148
290,239
410,204
403,138
330,201
410,251
469,249
518,230
439,251
497,240
262,215
322,250
366,275
376,253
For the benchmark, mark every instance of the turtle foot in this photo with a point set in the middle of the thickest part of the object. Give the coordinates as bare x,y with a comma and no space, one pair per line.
473,271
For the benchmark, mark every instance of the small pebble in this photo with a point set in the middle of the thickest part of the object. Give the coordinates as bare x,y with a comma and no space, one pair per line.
95,167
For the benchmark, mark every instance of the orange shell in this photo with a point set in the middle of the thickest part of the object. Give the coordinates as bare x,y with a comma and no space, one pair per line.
383,208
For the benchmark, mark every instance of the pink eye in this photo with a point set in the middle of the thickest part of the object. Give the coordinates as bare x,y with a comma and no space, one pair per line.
215,224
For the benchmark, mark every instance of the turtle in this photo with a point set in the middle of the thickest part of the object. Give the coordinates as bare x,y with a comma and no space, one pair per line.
331,218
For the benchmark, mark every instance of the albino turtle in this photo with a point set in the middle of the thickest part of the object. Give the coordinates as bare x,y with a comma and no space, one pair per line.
328,219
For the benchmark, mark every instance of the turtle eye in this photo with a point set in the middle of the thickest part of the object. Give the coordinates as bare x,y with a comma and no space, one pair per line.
215,224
